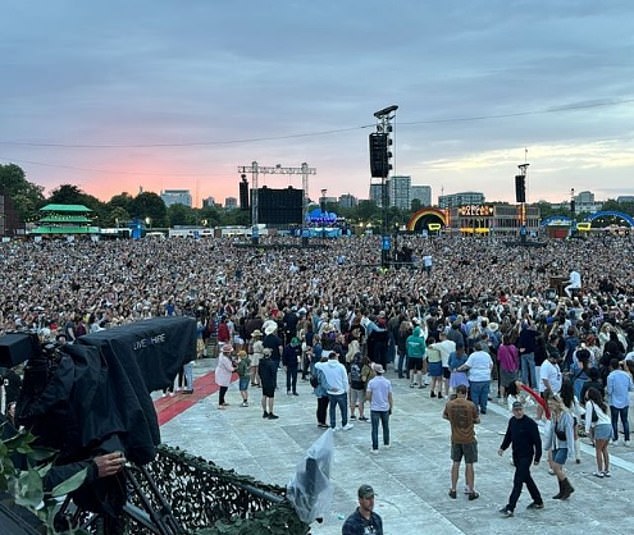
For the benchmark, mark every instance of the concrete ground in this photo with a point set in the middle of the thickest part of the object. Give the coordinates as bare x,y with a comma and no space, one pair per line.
411,479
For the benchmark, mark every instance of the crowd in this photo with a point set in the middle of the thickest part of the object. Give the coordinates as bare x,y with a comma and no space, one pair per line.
483,314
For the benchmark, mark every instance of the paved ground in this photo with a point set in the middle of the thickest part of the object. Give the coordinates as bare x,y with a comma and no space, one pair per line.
411,478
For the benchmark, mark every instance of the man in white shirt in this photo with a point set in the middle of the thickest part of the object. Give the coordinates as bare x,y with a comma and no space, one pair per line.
379,394
337,381
479,366
550,375
574,283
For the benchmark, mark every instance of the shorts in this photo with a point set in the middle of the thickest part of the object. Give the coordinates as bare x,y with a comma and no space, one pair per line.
434,369
445,372
560,455
469,451
356,396
414,364
244,383
603,432
268,392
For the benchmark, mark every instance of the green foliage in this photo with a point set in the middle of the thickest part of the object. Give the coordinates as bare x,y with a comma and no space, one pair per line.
148,204
26,197
26,486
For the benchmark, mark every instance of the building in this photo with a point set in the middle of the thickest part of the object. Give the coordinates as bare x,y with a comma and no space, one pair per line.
422,193
493,219
348,201
231,203
209,202
398,188
65,219
584,202
376,193
177,196
460,199
624,199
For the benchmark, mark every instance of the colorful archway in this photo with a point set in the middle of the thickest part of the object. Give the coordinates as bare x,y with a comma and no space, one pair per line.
611,213
434,215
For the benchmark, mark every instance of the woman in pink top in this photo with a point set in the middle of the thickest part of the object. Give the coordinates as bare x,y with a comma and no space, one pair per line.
508,357
224,371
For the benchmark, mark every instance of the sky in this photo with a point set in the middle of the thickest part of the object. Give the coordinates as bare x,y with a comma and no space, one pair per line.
156,94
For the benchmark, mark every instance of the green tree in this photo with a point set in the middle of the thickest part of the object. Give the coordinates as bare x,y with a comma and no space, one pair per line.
210,215
71,194
27,197
236,217
179,214
416,205
149,204
117,217
123,200
368,210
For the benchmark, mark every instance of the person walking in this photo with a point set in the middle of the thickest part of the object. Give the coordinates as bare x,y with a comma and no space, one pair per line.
479,366
619,386
290,359
560,440
523,434
244,373
336,378
224,371
364,521
462,414
267,370
415,348
597,417
379,394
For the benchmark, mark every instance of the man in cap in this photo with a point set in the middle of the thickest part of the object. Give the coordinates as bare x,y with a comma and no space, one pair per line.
364,521
379,394
523,434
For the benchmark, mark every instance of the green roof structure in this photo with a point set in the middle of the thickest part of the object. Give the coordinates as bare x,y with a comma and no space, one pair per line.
65,219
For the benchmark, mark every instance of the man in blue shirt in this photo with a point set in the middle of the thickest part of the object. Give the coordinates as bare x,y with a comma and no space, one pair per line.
364,521
619,385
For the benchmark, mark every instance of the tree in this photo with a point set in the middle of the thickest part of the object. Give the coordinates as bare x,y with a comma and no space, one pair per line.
416,205
148,204
71,194
27,197
123,200
179,214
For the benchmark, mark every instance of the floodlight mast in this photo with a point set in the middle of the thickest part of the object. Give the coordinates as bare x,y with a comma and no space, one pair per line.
385,111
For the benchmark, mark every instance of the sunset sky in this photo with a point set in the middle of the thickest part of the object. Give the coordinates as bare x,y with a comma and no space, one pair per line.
157,94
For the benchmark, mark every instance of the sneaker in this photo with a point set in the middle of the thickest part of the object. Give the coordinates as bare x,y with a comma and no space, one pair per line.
551,472
244,404
265,414
363,418
422,386
188,391
626,443
387,445
412,385
337,428
323,426
452,494
506,512
295,394
606,473
288,393
439,395
353,417
374,451
273,416
348,426
432,395
467,490
535,505
473,496
598,474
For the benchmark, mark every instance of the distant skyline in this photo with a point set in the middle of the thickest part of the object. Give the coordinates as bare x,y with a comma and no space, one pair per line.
160,95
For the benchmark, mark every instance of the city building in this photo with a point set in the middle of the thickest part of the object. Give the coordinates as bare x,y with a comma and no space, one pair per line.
460,199
209,202
398,188
422,193
493,219
231,203
376,193
348,201
623,199
177,196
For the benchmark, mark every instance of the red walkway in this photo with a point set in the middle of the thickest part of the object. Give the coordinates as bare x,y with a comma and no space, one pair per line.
170,407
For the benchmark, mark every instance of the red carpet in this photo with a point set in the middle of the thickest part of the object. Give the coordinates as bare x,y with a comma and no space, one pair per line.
170,407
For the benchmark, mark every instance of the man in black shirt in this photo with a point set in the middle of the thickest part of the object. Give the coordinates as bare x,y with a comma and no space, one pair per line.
364,521
522,432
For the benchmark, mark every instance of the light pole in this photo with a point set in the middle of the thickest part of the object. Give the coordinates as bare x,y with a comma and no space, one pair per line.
323,212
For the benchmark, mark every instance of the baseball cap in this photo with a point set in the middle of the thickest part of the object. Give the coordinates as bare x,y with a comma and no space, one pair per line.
366,491
517,405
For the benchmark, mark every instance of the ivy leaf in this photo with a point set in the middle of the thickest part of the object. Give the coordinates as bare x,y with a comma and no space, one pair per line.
29,489
71,484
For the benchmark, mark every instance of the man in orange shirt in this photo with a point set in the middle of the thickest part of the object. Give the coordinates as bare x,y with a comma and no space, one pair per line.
463,415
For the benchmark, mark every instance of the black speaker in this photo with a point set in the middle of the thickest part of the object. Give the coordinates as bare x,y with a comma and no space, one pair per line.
379,162
15,348
520,188
244,195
